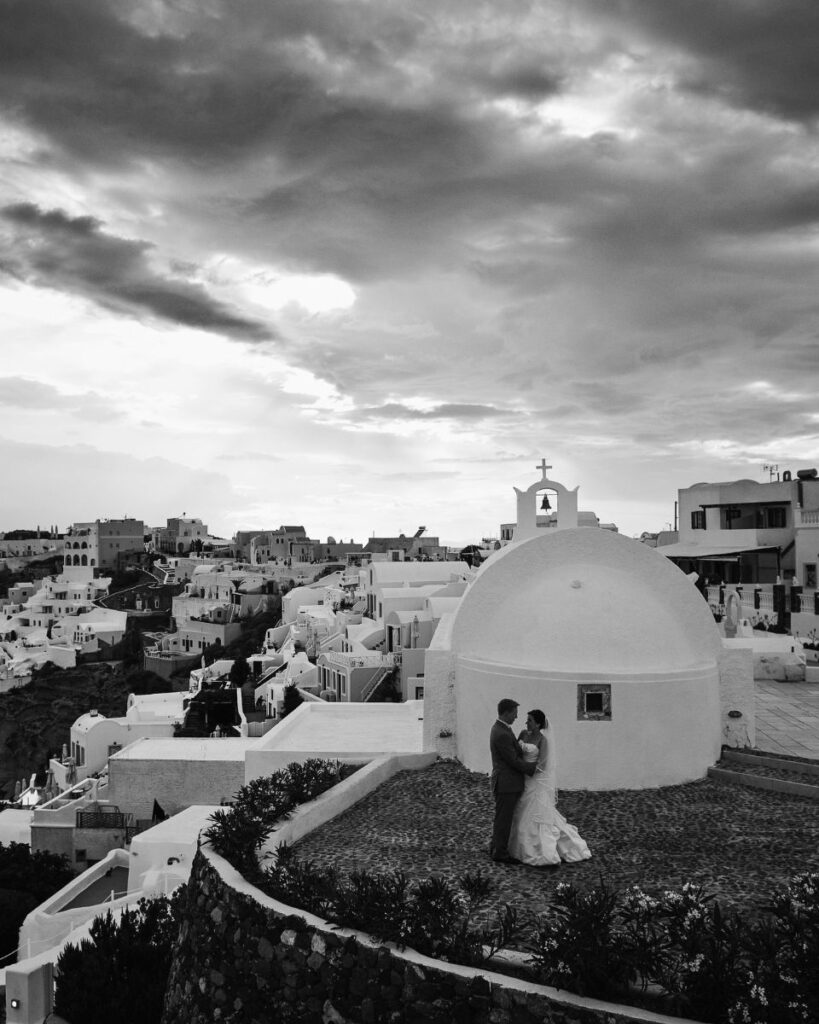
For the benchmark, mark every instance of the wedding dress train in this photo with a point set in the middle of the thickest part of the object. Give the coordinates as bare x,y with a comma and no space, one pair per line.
540,834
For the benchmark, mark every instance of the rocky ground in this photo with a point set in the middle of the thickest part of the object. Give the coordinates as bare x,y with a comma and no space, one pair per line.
741,844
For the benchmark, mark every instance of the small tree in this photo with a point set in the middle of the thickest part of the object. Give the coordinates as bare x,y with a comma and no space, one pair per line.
239,671
292,699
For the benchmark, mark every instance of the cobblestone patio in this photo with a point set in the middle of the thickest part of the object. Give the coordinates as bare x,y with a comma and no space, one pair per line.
741,844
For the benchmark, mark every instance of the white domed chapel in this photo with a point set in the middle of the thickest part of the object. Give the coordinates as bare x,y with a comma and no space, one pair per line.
605,635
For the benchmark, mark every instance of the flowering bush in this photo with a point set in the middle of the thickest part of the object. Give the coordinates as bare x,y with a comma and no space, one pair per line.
575,945
686,952
434,916
782,969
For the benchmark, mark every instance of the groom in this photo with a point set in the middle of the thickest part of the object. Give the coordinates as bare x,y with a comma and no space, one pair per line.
508,777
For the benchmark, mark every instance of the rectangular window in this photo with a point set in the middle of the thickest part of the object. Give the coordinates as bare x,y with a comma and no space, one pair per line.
419,693
809,575
594,702
698,519
728,516
775,518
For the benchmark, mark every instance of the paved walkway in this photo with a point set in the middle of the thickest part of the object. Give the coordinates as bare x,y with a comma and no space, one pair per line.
787,716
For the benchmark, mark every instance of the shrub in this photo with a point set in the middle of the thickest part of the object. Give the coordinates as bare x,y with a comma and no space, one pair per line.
120,973
434,916
26,879
576,944
292,699
239,833
704,961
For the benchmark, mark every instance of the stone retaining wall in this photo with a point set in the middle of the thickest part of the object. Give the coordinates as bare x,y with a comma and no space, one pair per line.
244,958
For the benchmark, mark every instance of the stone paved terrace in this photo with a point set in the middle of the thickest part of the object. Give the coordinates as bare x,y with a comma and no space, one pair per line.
787,716
740,844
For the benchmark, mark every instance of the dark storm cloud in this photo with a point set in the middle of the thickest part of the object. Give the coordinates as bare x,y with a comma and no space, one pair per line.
757,55
212,87
51,249
374,124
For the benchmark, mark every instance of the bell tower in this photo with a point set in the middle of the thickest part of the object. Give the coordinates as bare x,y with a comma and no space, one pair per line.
527,500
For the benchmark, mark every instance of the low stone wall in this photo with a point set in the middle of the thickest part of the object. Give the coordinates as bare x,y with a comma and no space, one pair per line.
244,958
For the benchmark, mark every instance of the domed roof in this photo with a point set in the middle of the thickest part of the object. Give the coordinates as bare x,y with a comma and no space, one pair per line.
585,600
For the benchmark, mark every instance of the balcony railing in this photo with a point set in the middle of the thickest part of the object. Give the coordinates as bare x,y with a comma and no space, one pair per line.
103,819
374,660
807,517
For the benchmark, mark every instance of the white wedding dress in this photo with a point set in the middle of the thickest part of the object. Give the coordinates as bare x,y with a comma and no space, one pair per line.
540,834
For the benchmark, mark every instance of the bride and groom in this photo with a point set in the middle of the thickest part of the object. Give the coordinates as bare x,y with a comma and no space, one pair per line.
528,828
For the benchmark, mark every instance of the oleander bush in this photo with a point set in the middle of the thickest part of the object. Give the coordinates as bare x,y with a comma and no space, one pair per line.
683,953
433,916
238,832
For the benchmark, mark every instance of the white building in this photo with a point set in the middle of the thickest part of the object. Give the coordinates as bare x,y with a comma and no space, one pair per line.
755,535
610,640
380,576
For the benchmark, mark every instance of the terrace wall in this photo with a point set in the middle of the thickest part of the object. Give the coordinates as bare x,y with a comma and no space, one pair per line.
242,956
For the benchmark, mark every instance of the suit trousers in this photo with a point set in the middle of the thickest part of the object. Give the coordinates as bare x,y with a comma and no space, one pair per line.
505,804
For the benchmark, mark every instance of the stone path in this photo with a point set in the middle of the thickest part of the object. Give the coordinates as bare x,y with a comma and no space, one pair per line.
740,844
787,716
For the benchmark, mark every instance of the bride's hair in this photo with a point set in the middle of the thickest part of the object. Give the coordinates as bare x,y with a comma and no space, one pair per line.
539,717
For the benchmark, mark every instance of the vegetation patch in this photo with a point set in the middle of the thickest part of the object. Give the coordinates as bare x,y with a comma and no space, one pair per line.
239,832
26,880
120,972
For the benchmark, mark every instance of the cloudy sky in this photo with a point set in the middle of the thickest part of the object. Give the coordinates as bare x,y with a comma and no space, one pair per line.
359,264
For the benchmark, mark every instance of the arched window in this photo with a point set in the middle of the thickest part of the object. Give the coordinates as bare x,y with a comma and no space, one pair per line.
76,559
93,561
84,545
68,559
84,560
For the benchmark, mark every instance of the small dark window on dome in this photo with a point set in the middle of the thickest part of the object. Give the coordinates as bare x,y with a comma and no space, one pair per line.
594,703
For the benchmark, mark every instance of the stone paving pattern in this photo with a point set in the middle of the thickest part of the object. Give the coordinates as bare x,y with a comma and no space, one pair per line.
741,844
787,716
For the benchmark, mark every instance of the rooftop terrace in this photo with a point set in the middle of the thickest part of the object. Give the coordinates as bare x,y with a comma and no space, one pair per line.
740,844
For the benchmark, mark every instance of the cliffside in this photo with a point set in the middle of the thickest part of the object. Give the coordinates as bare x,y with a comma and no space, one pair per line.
35,720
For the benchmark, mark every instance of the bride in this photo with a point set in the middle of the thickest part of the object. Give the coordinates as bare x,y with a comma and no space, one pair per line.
540,834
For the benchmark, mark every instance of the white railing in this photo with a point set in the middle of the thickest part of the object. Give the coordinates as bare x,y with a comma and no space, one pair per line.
375,660
807,517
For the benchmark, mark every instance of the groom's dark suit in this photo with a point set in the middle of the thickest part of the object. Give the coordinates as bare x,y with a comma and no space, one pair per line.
509,772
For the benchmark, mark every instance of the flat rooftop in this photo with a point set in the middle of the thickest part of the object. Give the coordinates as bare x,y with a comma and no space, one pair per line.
185,748
326,729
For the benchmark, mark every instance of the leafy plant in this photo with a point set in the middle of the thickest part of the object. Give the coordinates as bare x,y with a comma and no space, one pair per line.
576,943
238,833
434,916
121,971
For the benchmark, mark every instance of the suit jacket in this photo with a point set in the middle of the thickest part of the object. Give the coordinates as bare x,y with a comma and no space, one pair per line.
509,770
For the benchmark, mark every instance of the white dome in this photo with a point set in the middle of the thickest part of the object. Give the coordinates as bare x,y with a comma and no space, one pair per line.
585,601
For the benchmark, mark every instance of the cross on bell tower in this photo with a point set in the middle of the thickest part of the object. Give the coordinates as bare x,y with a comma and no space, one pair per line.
527,525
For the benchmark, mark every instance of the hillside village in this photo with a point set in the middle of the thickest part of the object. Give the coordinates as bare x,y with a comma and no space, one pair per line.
247,655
